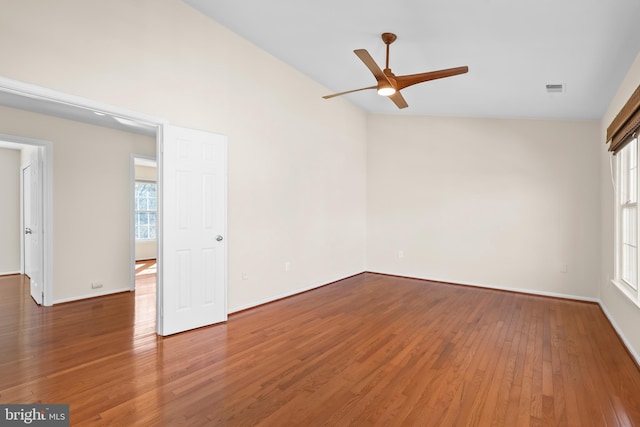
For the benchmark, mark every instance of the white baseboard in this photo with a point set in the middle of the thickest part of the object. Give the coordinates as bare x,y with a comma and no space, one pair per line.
9,273
289,294
626,343
500,288
93,295
630,348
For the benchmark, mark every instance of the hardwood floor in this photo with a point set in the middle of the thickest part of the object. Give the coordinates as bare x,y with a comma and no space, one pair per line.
369,350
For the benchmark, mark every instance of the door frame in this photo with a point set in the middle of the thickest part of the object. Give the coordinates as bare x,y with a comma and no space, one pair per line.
23,225
39,96
47,211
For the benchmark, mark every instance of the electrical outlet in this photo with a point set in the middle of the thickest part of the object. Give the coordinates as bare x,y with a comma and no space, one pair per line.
400,254
96,285
245,276
287,266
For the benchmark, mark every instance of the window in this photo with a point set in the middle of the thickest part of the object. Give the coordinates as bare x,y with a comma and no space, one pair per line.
622,137
145,215
627,220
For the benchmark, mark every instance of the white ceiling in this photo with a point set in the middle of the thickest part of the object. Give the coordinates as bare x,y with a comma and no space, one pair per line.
513,49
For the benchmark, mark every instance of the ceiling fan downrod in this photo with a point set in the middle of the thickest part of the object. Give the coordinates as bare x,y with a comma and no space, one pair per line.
388,38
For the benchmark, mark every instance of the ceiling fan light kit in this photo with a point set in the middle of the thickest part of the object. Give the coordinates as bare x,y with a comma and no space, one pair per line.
385,90
390,85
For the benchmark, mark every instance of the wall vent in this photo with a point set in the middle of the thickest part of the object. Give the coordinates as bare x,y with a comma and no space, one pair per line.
555,88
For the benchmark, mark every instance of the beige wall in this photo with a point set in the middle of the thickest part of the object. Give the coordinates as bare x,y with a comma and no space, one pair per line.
623,313
146,249
91,167
490,202
296,168
503,203
10,211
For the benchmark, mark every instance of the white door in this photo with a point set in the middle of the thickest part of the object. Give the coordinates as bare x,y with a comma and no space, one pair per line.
193,255
26,219
37,229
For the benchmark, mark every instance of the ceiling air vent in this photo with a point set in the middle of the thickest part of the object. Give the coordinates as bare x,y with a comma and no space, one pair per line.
555,88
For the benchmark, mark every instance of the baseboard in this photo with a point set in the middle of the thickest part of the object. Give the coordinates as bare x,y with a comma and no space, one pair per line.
626,343
634,355
87,296
10,273
499,288
289,294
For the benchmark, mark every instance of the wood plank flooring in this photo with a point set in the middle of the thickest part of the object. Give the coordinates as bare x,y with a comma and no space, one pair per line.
368,350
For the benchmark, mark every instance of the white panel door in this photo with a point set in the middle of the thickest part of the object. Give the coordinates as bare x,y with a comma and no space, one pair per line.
26,219
37,228
193,182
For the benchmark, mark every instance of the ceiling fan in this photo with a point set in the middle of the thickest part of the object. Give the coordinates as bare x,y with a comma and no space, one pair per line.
390,85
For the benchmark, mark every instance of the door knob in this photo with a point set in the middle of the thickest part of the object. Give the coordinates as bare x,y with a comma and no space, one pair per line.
27,230
219,238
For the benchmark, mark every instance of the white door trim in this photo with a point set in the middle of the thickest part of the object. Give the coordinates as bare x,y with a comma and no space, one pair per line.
40,94
37,221
24,256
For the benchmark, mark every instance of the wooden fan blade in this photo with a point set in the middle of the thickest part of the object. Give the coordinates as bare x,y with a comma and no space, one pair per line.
371,65
412,79
398,99
349,91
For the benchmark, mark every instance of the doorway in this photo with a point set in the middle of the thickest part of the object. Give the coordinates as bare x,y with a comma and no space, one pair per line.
143,229
192,273
34,206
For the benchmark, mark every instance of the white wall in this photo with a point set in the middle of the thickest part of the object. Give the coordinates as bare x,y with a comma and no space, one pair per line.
491,202
10,211
296,161
621,311
146,249
91,208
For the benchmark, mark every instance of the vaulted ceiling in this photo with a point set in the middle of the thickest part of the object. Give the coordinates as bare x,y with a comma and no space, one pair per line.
513,49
